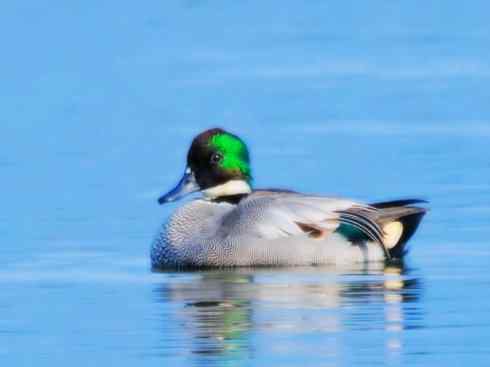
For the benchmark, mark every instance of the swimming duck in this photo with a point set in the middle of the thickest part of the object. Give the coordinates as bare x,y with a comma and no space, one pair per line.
235,225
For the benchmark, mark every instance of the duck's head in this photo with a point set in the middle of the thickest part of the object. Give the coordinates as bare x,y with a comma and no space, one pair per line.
218,165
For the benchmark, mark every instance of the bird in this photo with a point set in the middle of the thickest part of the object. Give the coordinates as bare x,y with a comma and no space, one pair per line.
232,224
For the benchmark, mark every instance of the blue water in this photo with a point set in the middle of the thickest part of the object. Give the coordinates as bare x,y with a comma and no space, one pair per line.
371,100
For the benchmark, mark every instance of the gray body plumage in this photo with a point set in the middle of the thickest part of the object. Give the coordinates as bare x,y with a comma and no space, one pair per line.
272,228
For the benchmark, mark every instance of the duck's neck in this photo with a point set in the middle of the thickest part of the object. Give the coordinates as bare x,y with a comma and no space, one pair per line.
230,188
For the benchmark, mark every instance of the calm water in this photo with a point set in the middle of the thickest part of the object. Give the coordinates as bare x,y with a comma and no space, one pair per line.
373,100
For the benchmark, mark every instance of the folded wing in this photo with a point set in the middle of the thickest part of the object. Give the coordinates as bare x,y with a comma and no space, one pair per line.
270,215
273,214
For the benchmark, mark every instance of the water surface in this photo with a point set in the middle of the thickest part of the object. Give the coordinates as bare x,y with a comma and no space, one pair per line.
372,101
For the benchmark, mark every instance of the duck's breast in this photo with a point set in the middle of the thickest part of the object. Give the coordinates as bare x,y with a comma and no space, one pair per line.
188,228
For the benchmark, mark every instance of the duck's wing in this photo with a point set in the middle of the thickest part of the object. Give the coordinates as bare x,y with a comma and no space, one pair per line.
272,214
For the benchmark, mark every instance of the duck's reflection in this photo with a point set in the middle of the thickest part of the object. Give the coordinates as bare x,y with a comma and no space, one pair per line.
214,311
224,313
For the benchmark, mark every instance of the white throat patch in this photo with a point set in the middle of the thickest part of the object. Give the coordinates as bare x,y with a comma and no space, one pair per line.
233,187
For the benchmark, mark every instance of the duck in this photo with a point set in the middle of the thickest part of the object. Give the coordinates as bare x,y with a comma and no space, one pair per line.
233,224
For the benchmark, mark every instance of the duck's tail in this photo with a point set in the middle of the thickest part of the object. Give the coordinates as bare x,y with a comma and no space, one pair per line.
399,220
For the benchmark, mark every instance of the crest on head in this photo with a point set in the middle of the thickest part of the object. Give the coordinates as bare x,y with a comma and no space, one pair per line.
217,156
218,164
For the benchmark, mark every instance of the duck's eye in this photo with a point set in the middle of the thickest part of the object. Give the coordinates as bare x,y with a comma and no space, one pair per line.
216,158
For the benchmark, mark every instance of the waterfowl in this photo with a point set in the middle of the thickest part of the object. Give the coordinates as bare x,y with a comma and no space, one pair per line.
236,225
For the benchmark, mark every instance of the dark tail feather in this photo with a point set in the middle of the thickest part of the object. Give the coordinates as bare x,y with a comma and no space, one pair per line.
409,216
394,203
410,223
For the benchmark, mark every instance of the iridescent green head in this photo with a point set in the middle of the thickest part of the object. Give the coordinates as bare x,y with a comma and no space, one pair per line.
218,164
217,156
